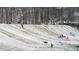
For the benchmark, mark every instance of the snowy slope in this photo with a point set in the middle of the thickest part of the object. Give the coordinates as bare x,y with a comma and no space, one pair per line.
32,37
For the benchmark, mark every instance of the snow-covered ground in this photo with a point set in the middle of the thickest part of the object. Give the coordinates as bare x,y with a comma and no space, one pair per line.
32,37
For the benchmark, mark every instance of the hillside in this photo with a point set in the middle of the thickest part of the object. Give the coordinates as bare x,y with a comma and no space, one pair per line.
32,37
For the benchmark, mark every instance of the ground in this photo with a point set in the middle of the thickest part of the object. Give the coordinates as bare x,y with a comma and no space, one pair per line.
32,37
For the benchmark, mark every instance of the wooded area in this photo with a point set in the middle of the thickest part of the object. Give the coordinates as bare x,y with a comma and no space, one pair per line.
38,15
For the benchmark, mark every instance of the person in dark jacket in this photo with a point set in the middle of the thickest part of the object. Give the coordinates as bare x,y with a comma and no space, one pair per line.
51,45
22,26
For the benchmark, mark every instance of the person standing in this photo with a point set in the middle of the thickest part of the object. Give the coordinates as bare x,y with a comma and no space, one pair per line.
51,45
22,26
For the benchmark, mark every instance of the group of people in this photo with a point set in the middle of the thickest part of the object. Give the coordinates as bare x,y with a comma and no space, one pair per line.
62,37
66,37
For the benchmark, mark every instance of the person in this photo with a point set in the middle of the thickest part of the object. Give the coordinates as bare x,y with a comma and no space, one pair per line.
22,26
61,36
72,34
51,45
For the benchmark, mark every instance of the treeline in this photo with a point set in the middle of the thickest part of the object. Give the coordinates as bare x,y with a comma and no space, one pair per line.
36,15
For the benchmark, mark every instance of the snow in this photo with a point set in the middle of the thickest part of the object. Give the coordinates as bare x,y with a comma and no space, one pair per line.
31,37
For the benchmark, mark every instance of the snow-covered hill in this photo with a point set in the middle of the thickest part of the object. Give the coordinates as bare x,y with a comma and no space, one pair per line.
32,37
